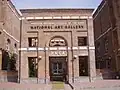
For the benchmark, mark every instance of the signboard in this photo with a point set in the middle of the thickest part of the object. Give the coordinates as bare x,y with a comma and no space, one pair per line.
58,53
60,24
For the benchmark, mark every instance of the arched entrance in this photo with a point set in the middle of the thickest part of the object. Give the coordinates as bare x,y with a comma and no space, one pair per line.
58,59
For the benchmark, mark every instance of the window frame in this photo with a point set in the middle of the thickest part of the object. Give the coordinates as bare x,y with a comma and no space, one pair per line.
30,41
85,41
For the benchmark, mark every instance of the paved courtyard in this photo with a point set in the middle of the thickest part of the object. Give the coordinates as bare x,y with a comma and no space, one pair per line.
98,85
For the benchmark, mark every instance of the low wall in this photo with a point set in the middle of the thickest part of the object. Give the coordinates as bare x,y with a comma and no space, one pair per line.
34,81
8,76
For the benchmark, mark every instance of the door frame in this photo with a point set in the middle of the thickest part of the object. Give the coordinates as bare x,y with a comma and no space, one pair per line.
57,59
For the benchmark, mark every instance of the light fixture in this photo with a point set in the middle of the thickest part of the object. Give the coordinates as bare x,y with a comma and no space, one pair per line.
75,56
39,57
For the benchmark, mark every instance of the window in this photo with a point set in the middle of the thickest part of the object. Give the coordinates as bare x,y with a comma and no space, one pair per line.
32,62
15,45
8,41
8,44
15,48
83,66
115,37
5,59
106,45
33,41
108,63
98,49
9,61
57,41
82,41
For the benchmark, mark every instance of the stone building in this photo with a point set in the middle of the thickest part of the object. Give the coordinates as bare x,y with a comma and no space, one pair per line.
9,40
57,43
107,37
53,44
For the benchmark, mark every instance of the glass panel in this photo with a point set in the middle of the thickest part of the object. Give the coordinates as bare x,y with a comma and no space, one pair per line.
54,68
83,66
57,68
60,65
32,41
32,64
82,41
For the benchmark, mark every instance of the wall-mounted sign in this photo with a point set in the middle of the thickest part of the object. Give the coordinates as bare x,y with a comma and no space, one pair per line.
59,24
58,53
57,27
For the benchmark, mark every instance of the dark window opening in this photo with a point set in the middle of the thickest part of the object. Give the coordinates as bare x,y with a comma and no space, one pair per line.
62,42
57,45
15,45
8,41
57,42
32,63
106,44
33,41
83,66
9,61
115,36
98,49
0,32
82,41
5,59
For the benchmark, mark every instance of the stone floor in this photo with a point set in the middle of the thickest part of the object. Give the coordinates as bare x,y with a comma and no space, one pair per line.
98,85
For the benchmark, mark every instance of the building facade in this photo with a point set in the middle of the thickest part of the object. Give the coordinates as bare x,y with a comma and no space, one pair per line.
44,45
107,39
57,44
9,40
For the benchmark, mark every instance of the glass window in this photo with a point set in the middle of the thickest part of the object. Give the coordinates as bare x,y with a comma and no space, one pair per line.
82,41
106,44
115,39
32,41
98,49
57,41
32,63
83,66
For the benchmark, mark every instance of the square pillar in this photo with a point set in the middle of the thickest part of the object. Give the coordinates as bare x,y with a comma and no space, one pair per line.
0,59
24,68
91,51
92,67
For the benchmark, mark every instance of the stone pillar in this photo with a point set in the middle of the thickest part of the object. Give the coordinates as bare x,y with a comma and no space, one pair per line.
70,66
91,51
24,68
76,66
0,59
92,68
47,67
41,68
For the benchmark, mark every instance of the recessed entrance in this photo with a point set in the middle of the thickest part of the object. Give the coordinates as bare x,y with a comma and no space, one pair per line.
58,68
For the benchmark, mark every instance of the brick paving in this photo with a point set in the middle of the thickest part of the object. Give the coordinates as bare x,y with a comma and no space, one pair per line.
16,86
98,85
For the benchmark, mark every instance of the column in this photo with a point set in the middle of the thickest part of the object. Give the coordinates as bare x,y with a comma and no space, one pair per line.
0,59
24,68
91,51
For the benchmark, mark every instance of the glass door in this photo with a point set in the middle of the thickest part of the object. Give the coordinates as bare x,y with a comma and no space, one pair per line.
57,68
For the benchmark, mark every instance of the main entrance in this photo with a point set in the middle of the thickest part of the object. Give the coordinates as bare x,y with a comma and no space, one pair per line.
58,68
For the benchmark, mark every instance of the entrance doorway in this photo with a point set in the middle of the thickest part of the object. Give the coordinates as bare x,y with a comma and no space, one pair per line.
58,68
